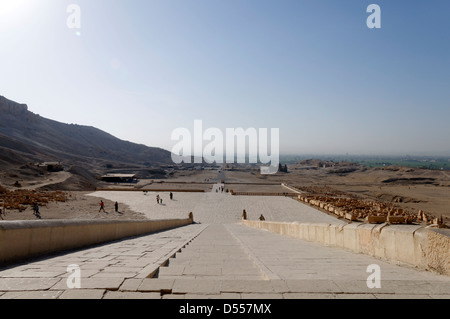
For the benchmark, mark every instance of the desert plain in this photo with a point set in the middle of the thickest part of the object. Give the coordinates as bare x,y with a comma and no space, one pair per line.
411,189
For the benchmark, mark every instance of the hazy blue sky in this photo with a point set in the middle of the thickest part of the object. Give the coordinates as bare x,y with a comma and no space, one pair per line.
313,69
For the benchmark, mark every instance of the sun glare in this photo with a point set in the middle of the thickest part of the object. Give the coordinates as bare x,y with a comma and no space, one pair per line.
13,10
7,6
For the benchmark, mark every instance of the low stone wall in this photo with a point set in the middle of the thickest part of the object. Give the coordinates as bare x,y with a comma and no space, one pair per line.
423,247
150,190
24,239
261,194
295,190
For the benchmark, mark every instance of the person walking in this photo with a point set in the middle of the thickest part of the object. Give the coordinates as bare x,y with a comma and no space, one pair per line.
116,207
102,207
36,210
171,196
157,198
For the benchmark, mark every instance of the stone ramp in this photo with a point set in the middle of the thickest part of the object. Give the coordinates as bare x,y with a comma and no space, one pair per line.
290,258
102,268
217,261
214,255
272,266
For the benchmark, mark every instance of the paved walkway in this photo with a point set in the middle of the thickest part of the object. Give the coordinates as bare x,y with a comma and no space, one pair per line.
216,261
215,255
217,258
102,268
218,208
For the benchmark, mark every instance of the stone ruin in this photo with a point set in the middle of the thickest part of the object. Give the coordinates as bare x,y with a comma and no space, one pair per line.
21,199
373,212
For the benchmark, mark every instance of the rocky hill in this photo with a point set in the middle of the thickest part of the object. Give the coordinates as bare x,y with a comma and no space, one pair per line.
26,137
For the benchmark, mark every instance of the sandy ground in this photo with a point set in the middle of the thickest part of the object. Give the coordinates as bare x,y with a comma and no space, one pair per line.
412,189
78,206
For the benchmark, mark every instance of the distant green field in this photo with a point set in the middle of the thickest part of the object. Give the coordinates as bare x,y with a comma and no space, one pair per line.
438,163
408,163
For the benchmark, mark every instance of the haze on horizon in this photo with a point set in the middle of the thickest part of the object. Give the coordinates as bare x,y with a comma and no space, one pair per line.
140,69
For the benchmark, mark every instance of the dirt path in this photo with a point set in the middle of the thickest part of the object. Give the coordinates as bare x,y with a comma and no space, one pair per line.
53,178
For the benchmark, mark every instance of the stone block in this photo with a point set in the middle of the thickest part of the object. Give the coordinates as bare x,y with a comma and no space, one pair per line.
320,236
404,243
379,248
131,295
197,286
337,235
387,242
396,219
35,295
366,239
300,231
438,252
312,286
311,232
421,247
265,296
83,294
351,240
156,285
131,284
376,219
247,286
27,284
309,296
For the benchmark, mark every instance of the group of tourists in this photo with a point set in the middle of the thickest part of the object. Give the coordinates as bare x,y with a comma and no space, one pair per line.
220,189
244,216
159,198
102,207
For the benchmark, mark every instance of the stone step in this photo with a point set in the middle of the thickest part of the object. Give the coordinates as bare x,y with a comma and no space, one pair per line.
214,254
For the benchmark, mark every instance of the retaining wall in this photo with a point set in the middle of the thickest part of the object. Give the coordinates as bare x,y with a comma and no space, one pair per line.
150,190
424,247
24,239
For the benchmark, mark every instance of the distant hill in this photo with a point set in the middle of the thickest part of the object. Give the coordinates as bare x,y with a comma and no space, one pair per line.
316,163
27,137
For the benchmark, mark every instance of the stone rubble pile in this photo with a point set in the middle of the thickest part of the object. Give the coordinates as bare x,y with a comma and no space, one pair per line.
367,211
20,199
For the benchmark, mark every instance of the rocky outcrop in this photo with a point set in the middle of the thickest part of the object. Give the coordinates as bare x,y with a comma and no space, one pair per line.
13,108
